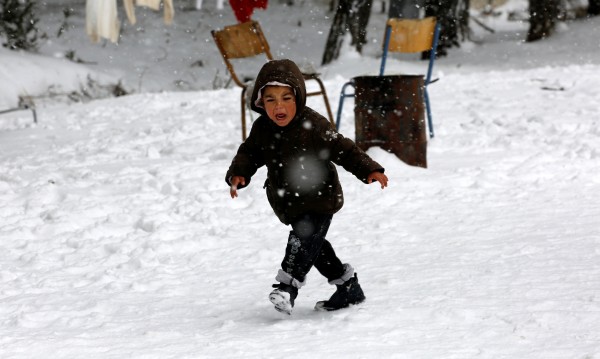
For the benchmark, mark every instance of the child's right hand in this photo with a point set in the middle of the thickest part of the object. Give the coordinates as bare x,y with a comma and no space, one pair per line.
235,181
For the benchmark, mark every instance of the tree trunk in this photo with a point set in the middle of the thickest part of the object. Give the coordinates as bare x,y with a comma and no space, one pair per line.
352,15
408,9
337,31
453,17
359,19
542,18
594,7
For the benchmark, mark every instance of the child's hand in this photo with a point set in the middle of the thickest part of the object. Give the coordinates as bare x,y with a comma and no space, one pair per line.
379,177
235,181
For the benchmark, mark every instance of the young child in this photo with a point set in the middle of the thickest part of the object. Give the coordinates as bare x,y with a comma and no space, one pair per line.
299,147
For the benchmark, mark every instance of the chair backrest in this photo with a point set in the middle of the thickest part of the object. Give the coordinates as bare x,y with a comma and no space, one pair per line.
411,36
241,41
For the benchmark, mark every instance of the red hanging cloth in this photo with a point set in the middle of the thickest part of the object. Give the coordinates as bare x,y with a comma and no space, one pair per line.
243,9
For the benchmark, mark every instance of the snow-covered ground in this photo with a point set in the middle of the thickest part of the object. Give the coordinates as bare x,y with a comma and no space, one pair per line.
118,238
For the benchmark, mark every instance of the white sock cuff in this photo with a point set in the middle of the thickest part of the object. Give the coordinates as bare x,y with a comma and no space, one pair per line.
348,273
286,278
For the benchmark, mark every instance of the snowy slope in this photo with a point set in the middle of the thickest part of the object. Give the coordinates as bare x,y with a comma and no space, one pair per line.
118,237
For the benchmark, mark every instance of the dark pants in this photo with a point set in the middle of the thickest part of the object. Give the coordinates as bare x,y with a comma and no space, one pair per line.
307,247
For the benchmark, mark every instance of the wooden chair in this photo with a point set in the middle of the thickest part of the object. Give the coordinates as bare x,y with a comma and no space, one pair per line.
407,36
247,40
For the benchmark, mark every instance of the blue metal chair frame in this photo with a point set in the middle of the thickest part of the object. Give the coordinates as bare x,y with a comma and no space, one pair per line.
388,33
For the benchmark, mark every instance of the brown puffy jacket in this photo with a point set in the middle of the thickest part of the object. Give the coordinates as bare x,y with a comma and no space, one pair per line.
300,157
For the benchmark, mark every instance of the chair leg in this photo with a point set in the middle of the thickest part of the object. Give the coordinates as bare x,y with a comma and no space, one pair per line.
428,108
343,96
386,45
339,111
244,114
325,99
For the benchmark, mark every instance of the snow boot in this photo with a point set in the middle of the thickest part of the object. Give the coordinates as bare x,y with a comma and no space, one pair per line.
347,294
283,297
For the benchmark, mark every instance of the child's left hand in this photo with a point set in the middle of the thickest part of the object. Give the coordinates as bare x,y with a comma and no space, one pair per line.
235,181
379,177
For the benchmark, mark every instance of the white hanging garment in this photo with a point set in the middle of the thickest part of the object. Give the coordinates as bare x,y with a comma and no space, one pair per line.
152,4
199,4
130,11
169,10
101,20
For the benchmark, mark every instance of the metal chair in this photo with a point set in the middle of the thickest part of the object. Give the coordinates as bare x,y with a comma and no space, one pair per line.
406,36
25,103
247,40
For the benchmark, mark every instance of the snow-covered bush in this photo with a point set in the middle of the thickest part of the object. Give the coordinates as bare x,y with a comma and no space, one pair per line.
18,24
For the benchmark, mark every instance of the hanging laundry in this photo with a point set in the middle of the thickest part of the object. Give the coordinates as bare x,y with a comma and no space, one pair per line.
243,9
169,10
219,4
101,20
130,11
152,4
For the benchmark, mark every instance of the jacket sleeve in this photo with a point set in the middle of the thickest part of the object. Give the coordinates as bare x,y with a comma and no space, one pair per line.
248,158
344,152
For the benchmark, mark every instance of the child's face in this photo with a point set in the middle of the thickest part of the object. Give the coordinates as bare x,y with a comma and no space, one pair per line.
280,104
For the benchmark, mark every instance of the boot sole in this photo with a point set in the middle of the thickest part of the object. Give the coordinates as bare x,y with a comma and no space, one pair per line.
281,303
322,306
